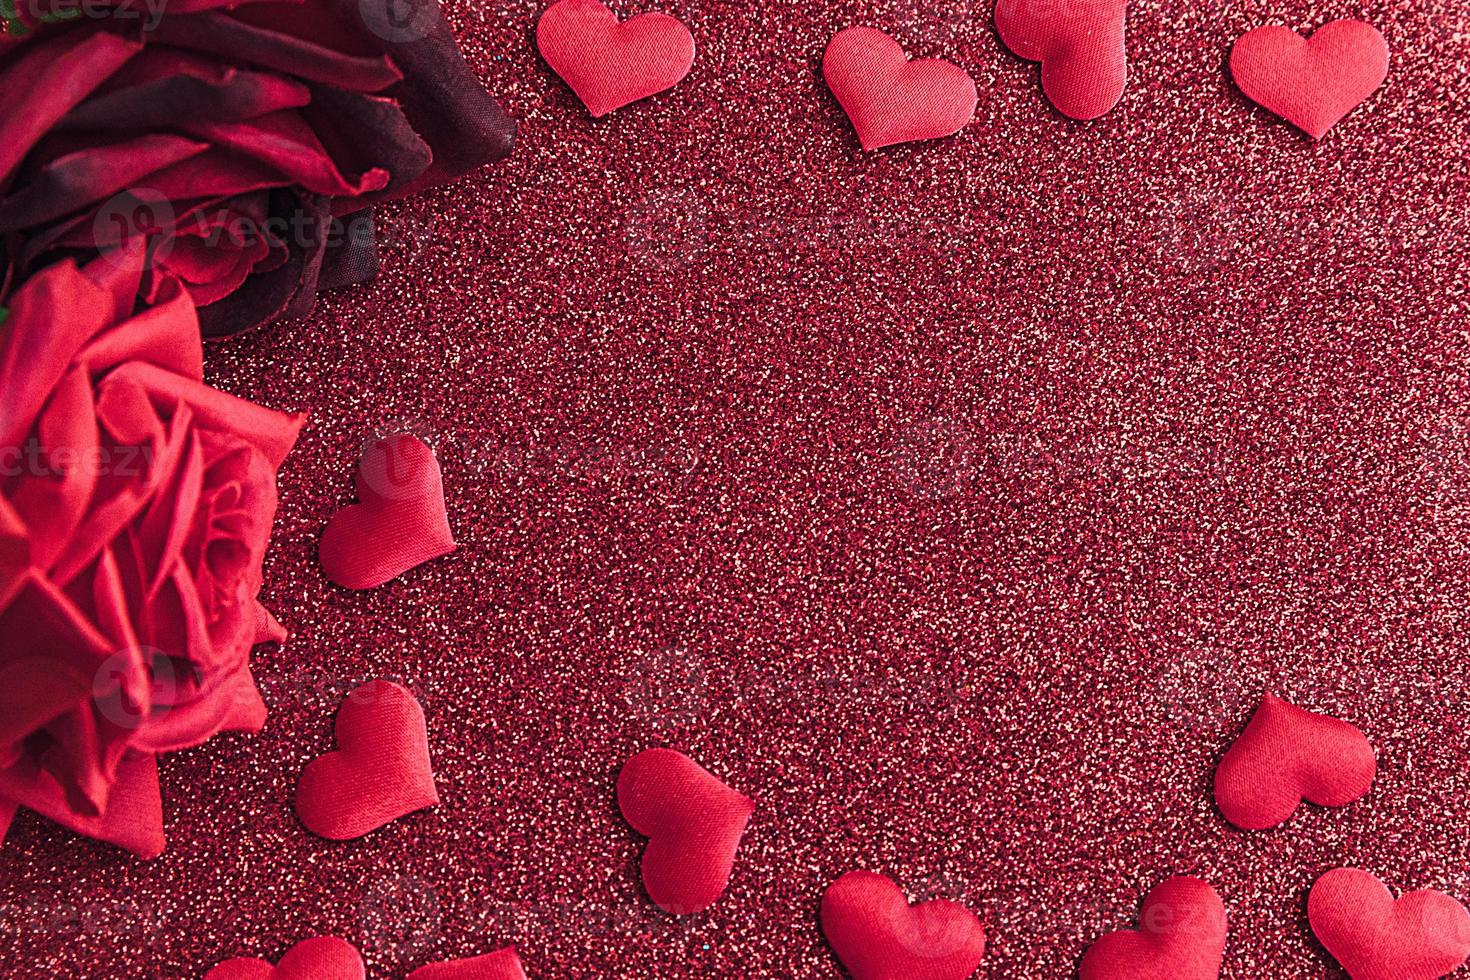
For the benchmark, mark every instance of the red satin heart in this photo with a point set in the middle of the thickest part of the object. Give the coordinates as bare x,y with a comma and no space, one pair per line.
891,99
878,935
502,964
1423,935
1287,755
693,823
1311,83
1181,936
1080,44
380,771
322,958
609,64
399,524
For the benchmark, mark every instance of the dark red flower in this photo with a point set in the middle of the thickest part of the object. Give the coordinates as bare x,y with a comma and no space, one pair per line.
243,142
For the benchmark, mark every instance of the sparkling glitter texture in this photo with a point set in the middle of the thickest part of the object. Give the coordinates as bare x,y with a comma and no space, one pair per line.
955,501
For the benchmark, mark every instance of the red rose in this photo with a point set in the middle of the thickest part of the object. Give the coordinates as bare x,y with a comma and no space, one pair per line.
135,509
234,138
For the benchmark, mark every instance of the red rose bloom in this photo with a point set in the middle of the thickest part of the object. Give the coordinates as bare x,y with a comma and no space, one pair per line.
233,137
135,509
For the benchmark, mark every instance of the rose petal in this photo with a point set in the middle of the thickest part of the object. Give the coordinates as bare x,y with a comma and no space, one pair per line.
272,432
49,79
51,317
161,103
290,54
134,815
284,142
77,180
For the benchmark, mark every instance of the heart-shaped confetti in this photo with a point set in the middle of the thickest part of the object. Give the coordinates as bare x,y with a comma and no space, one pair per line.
503,964
1181,936
878,935
322,958
400,522
1081,46
693,823
611,64
380,770
891,99
1287,755
1423,935
1313,82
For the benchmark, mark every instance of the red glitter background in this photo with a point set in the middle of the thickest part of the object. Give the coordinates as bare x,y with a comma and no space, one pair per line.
956,501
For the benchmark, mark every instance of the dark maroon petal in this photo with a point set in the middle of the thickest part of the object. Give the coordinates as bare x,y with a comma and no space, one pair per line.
444,100
235,41
286,290
49,80
52,8
163,197
364,132
88,177
161,103
215,173
286,143
351,255
447,104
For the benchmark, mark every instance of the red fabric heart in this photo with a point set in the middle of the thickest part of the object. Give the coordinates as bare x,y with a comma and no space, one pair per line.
1181,936
609,64
503,964
1080,44
1287,755
891,99
380,771
1423,935
322,958
693,823
878,935
1311,83
400,523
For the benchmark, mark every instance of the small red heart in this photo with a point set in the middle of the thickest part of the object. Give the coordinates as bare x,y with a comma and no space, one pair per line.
400,523
1285,755
322,958
609,64
380,770
1081,47
1181,936
1311,83
891,99
1423,935
693,823
502,964
878,935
